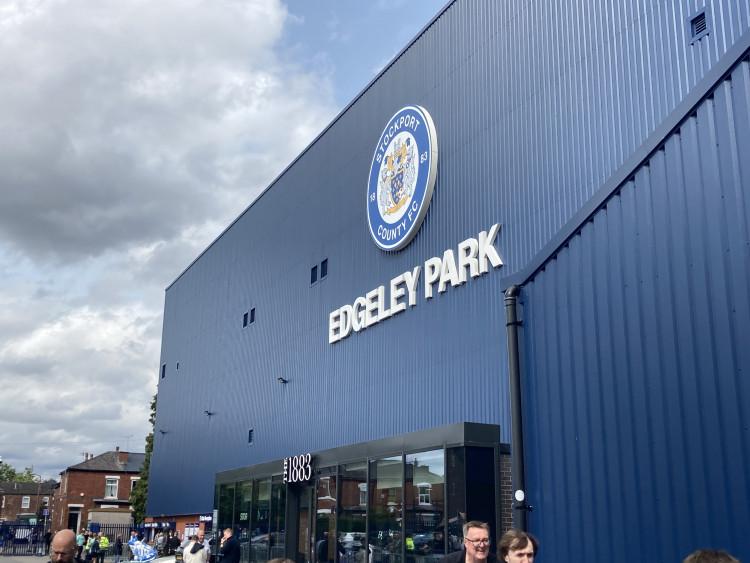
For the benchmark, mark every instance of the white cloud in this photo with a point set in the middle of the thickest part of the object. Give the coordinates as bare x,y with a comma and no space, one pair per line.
134,133
131,119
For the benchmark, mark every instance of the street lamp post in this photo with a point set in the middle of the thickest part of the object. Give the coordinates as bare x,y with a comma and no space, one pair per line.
40,510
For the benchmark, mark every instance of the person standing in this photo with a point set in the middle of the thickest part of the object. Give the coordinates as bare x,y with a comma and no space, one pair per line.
709,556
194,551
476,545
230,547
103,547
92,548
118,548
184,544
518,547
64,547
132,539
80,540
206,545
321,549
173,543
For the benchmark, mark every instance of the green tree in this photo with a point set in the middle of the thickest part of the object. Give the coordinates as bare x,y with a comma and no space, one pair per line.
9,473
139,492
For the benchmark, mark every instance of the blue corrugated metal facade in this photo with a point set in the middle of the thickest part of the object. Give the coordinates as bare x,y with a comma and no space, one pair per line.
536,107
636,334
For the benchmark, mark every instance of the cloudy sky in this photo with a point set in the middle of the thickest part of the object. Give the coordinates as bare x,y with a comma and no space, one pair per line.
132,132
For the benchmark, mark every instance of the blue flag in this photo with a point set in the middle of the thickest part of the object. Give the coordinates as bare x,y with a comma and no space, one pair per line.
141,550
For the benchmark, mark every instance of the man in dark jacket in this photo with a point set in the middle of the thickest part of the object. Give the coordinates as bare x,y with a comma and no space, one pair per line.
64,548
230,548
118,548
321,549
173,543
476,545
47,541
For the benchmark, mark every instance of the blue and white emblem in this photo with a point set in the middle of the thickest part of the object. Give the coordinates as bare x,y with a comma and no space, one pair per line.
402,177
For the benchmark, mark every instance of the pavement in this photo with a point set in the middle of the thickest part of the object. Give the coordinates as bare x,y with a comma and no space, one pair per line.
45,559
23,558
30,558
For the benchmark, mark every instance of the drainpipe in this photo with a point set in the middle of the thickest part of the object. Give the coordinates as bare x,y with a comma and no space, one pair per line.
518,472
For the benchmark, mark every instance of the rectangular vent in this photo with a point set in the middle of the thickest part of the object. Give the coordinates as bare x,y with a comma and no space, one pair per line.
699,24
248,318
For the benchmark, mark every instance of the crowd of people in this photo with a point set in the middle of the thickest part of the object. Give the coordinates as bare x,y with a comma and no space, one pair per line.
94,547
515,546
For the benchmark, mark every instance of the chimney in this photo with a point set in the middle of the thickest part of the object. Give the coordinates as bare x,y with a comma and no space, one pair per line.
122,457
117,448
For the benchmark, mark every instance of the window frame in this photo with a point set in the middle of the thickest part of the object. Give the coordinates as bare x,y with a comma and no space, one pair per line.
107,486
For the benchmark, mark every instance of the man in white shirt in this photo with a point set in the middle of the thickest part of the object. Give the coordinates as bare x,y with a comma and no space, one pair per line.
206,545
194,551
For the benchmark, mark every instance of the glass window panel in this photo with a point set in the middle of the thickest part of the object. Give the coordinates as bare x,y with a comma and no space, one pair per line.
425,506
276,536
305,543
385,532
327,547
480,497
110,490
257,540
226,505
456,496
353,511
242,518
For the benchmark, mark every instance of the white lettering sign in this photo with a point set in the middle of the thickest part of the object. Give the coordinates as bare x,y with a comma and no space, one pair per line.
472,259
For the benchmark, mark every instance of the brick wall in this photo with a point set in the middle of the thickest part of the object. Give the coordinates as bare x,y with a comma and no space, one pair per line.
86,488
506,494
14,501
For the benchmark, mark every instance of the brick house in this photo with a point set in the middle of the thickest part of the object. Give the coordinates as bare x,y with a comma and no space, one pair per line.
23,501
97,490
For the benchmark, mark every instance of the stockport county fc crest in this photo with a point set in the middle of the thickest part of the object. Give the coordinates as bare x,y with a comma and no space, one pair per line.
402,177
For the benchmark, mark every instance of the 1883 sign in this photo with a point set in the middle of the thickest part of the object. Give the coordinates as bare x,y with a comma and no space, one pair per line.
298,468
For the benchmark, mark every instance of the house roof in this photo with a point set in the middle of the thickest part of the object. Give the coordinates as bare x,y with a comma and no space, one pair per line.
27,487
110,461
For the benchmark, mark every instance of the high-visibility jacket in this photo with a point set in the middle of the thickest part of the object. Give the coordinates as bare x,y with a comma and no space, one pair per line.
103,543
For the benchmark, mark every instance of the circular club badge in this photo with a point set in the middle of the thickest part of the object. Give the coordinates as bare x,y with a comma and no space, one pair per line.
402,177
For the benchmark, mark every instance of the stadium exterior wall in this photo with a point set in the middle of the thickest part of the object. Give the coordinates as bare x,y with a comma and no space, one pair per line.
532,119
635,332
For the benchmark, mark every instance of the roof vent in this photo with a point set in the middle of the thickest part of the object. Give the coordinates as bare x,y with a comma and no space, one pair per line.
699,25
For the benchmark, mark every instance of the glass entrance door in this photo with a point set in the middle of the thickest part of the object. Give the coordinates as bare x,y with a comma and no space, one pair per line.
305,519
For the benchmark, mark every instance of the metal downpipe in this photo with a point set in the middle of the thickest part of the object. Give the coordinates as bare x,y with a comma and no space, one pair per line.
518,471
